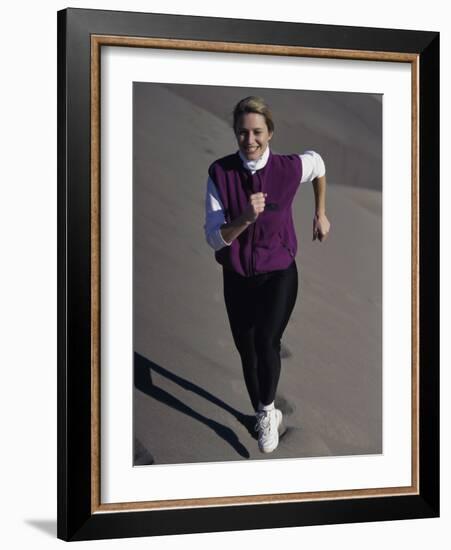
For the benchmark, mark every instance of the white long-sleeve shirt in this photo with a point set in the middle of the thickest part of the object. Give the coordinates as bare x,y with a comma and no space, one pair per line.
312,167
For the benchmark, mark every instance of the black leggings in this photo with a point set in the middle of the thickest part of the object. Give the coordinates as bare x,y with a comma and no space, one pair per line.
259,308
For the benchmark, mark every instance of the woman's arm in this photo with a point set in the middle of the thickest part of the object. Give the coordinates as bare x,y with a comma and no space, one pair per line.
321,225
218,233
230,231
214,217
314,170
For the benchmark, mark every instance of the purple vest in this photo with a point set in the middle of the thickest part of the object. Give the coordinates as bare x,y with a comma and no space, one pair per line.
270,243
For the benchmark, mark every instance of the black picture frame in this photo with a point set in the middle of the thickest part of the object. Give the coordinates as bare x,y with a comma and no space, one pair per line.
80,514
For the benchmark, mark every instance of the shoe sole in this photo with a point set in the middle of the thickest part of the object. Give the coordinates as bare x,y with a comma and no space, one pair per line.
269,449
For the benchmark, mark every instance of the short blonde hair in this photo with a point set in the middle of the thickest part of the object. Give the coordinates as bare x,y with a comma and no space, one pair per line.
253,104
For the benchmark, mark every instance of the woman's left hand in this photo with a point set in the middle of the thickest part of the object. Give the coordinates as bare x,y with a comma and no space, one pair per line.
321,227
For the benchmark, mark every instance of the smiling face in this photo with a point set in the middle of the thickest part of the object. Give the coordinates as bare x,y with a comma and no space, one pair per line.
252,135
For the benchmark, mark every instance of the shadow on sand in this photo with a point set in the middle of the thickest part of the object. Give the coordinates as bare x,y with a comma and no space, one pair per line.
143,369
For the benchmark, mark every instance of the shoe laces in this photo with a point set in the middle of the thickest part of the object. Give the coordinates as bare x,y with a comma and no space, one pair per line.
263,421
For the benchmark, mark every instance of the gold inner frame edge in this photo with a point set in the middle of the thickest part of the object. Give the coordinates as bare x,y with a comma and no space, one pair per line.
97,41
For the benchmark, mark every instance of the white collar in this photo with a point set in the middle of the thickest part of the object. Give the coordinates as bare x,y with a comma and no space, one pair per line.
256,164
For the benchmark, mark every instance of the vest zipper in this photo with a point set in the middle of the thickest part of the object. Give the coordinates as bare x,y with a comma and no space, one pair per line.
252,250
257,176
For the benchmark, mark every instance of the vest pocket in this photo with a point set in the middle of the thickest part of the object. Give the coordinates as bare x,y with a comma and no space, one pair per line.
285,245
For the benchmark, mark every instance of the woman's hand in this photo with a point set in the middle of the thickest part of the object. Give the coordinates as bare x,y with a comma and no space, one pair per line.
256,206
321,227
230,231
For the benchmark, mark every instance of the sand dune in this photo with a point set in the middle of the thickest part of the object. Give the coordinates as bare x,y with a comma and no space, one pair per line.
345,127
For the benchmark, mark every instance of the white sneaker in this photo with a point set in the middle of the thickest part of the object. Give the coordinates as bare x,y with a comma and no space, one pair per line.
268,423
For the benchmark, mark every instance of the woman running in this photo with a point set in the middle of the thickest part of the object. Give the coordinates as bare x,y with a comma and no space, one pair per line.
250,226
